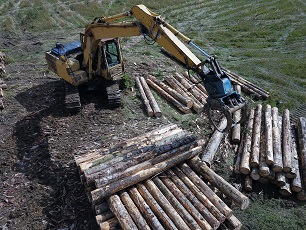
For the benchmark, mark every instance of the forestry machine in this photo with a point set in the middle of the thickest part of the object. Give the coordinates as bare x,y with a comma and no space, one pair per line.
96,60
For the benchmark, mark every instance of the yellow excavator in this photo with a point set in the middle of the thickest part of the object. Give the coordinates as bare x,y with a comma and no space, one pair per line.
97,60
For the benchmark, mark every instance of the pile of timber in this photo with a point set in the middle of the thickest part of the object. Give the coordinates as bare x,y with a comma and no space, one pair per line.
273,150
150,104
246,86
2,73
147,182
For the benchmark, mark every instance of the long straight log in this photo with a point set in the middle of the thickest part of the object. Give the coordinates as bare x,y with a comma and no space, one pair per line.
146,165
144,208
111,224
168,97
227,189
264,169
214,143
254,159
301,127
182,80
176,86
236,130
296,184
133,210
184,100
201,189
233,223
277,148
156,208
269,136
141,175
156,110
197,198
286,141
238,158
188,218
104,216
144,98
122,215
89,156
246,152
165,204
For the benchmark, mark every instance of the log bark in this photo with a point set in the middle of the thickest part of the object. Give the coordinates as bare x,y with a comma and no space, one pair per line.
145,209
104,216
238,158
176,86
156,208
125,174
184,100
101,208
296,185
286,142
264,169
301,127
197,198
285,189
236,130
165,204
116,186
233,223
255,174
122,215
254,159
184,207
246,152
269,136
133,210
111,224
227,189
168,97
156,110
214,143
277,147
248,184
182,80
144,98
201,189
281,179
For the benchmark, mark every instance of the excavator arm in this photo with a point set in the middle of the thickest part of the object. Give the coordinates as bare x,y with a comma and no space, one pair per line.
221,96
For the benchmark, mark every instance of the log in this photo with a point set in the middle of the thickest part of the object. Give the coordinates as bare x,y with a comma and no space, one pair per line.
296,184
101,208
233,223
269,136
156,110
184,100
144,98
236,133
197,81
254,159
144,208
168,97
227,189
104,216
295,170
246,152
238,158
189,213
277,147
111,224
141,175
1,93
214,143
133,210
176,86
156,208
165,204
182,80
248,184
281,179
286,142
264,169
146,165
271,175
255,174
122,215
197,198
301,128
285,189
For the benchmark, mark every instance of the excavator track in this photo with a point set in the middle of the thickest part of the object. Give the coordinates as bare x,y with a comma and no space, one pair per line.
72,98
113,94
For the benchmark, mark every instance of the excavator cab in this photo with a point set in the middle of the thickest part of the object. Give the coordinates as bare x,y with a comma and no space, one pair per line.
107,62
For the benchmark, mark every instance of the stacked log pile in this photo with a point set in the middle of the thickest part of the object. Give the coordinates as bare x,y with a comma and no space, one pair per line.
2,73
147,182
273,150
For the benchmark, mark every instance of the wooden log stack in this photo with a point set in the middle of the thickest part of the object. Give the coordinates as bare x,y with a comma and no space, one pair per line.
273,151
147,182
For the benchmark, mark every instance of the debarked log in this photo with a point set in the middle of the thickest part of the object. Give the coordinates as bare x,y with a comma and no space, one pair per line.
144,98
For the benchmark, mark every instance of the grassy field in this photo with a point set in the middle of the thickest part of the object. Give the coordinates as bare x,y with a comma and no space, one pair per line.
264,41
